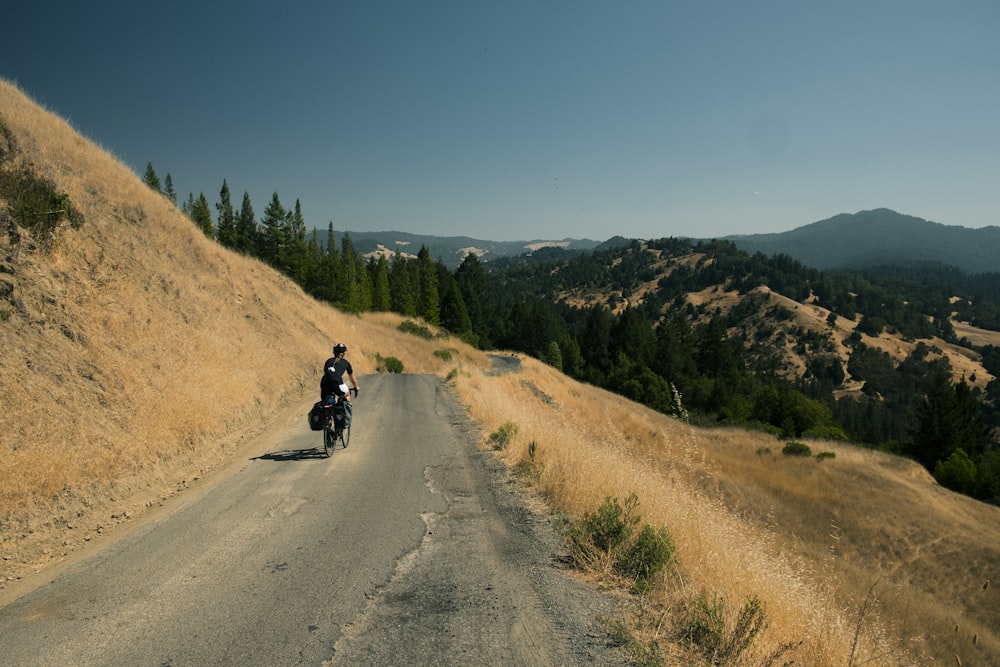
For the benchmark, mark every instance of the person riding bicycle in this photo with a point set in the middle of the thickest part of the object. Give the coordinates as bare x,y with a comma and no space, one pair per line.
332,383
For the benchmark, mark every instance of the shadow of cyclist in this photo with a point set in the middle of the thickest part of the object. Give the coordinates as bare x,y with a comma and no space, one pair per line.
292,455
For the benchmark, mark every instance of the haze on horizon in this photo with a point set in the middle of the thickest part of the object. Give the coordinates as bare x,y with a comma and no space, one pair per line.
524,120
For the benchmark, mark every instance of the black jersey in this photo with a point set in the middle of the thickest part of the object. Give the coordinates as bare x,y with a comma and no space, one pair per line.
333,376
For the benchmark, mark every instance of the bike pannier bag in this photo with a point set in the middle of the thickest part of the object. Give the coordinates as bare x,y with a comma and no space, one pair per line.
317,417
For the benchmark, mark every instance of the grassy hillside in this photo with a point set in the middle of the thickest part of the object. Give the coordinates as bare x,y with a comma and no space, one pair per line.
136,351
138,356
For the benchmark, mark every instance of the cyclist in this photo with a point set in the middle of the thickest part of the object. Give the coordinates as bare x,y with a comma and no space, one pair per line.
332,382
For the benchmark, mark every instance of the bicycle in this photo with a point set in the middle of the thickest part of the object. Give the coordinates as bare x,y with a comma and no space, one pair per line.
334,428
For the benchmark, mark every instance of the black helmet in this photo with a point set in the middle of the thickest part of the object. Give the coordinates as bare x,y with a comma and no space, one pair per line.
339,348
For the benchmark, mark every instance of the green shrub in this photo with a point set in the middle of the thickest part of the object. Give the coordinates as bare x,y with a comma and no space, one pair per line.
411,327
643,560
612,523
707,631
826,432
36,205
443,355
796,449
825,455
387,364
644,654
503,435
606,540
957,472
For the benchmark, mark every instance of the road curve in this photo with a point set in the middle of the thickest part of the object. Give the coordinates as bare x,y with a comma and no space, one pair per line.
407,548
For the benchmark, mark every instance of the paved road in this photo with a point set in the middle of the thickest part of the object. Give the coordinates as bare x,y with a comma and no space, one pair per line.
407,548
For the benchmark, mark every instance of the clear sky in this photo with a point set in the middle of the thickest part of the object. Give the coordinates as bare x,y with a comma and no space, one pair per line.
540,119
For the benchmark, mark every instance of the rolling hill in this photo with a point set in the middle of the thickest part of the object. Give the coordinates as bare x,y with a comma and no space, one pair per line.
139,356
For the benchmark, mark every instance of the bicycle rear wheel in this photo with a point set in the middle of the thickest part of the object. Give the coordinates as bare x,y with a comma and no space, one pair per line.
329,441
345,436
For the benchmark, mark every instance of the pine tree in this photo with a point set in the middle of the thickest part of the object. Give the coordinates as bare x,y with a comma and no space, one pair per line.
349,284
201,215
454,315
402,286
381,296
294,253
325,269
597,336
948,419
245,237
168,189
227,217
151,179
477,294
271,240
430,304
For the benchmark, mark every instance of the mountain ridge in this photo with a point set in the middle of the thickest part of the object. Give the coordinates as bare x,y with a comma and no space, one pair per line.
880,237
845,241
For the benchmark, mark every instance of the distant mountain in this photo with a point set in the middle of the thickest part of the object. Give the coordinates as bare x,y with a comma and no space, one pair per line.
451,250
881,236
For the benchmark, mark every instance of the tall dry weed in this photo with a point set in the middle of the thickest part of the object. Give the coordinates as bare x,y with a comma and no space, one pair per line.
802,536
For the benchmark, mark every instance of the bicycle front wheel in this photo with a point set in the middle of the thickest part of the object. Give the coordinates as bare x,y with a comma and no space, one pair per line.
345,436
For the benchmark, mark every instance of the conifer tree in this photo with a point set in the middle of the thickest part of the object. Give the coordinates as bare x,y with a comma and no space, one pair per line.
272,234
381,296
597,334
367,286
294,256
402,286
429,306
478,297
245,237
949,419
151,179
327,268
201,215
454,315
352,276
168,188
227,217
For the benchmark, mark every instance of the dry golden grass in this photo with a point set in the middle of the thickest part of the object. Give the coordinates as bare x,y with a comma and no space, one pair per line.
809,538
139,354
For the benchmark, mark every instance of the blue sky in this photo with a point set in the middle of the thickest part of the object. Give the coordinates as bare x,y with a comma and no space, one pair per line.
513,120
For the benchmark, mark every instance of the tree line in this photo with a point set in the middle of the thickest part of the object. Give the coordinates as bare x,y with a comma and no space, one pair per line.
714,366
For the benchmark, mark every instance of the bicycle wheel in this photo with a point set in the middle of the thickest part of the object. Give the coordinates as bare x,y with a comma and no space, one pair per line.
329,440
345,436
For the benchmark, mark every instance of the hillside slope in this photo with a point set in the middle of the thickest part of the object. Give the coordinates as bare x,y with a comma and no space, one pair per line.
137,352
138,355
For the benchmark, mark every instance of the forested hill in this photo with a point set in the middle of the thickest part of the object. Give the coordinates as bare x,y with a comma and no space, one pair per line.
451,250
901,358
896,358
881,236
